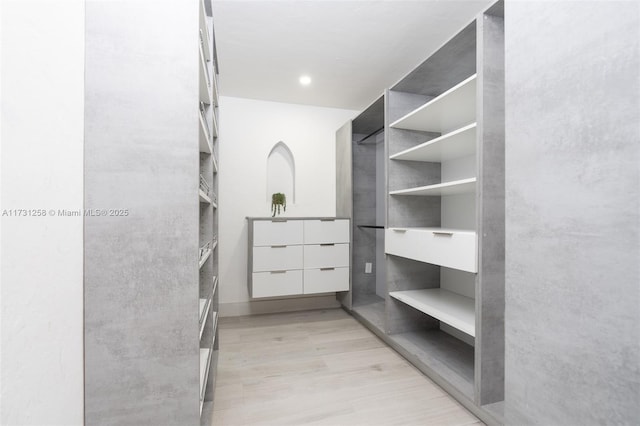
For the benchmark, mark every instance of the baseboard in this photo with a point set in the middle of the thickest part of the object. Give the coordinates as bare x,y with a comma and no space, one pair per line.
271,306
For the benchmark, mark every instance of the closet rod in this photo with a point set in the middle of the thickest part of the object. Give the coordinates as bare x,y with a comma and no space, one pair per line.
370,135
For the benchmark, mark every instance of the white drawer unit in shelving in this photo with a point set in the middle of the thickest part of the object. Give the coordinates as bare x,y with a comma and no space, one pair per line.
321,231
326,255
323,280
277,258
277,283
445,247
298,256
277,232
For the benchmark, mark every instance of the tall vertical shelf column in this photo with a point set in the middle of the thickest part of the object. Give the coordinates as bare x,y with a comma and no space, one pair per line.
151,263
208,200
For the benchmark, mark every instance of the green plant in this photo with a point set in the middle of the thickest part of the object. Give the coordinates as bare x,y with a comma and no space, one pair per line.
278,199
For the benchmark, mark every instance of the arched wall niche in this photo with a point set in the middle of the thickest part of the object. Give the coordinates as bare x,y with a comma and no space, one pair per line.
281,172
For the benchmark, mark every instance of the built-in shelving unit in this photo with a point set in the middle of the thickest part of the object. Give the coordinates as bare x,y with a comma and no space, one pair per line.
208,188
441,219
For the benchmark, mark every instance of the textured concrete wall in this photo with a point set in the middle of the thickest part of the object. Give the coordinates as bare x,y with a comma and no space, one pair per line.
572,213
141,270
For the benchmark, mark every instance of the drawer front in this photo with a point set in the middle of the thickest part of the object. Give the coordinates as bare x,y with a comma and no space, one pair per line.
457,250
277,258
326,231
270,284
280,232
326,255
326,280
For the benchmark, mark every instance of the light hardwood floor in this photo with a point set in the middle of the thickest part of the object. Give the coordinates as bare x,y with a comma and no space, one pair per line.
321,368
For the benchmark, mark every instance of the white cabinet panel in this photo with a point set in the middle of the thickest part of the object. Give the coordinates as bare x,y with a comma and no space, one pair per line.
451,248
318,231
277,232
275,258
326,255
280,283
326,280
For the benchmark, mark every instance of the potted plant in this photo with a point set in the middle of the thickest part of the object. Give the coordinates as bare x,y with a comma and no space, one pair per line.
278,200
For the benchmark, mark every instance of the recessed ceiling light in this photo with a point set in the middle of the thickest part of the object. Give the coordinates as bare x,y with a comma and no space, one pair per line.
305,80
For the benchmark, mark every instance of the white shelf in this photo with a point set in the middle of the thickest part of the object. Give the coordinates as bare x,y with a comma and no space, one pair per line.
214,245
215,283
205,85
205,32
451,308
450,110
462,186
204,198
204,320
214,79
458,143
214,126
215,163
202,308
205,142
215,325
205,257
205,357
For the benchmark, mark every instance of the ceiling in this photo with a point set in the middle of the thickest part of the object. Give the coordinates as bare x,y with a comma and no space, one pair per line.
352,49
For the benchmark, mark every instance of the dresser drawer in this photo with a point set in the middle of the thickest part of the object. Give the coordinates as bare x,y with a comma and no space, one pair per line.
318,231
326,280
278,232
326,255
275,258
281,283
453,249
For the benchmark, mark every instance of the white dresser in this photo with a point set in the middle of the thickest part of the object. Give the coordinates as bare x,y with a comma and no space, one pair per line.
298,256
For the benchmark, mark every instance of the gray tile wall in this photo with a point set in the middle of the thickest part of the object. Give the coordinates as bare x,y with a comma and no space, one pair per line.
572,213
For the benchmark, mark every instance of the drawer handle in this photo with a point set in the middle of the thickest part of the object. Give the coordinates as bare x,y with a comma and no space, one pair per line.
445,234
278,272
399,230
278,220
327,269
327,220
327,245
278,246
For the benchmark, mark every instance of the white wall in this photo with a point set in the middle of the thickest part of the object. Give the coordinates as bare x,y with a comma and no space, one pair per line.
248,131
42,168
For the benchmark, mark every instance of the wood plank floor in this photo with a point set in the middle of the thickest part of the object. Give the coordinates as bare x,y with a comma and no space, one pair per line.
321,368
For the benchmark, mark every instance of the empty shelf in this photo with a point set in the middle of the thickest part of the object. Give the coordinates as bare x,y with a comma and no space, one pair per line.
203,320
214,127
202,308
456,144
204,32
452,109
205,356
205,85
451,308
205,141
462,186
